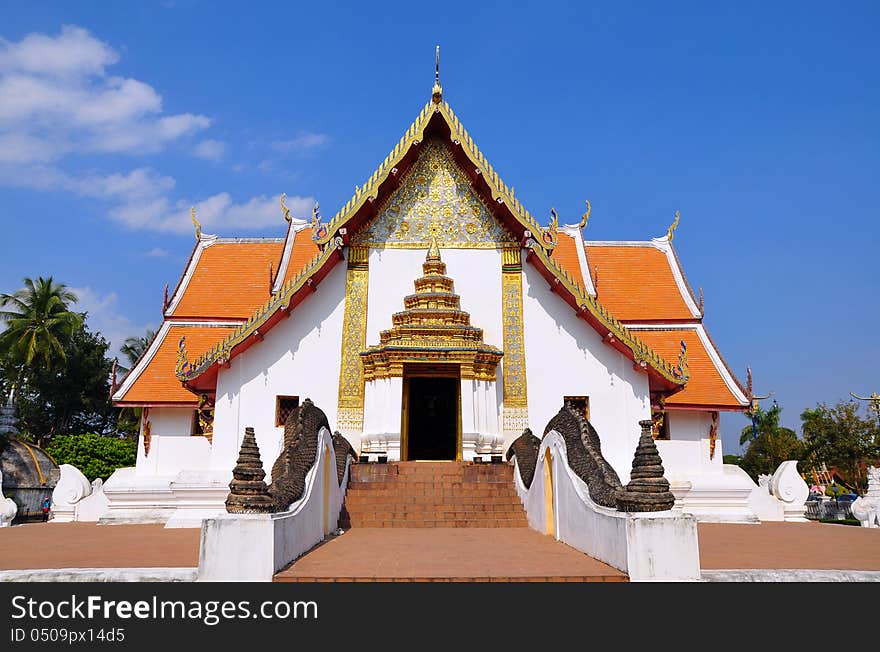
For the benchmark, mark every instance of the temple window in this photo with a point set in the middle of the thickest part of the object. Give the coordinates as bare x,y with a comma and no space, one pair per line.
579,403
284,405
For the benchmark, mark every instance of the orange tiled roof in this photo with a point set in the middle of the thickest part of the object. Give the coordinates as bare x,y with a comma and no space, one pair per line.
157,383
230,281
565,255
706,386
304,249
636,283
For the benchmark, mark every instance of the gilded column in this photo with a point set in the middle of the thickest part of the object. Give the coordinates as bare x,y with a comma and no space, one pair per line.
350,412
515,416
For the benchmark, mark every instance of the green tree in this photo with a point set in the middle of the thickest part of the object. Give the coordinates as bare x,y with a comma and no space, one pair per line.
69,398
841,438
773,445
38,323
134,348
95,455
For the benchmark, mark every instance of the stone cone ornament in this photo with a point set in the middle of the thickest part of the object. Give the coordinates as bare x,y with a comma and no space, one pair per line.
248,494
648,489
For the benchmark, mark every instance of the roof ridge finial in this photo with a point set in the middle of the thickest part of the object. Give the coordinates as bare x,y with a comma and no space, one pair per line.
673,226
437,91
192,216
285,211
586,216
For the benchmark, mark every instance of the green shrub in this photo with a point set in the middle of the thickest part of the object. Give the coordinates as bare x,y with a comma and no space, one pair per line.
96,456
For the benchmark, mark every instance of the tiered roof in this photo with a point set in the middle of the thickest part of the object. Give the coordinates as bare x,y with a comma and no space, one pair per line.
229,282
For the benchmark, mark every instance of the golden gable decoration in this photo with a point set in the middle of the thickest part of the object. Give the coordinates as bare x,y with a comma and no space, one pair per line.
435,200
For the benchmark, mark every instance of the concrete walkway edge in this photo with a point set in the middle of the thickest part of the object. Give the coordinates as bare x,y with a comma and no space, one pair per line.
789,575
100,575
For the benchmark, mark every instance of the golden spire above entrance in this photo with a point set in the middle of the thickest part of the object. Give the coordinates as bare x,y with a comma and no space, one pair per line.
437,91
432,328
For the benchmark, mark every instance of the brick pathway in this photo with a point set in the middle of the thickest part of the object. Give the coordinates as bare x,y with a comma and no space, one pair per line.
722,546
446,554
821,546
86,545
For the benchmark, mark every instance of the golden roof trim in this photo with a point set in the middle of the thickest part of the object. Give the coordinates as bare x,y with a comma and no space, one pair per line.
500,191
221,352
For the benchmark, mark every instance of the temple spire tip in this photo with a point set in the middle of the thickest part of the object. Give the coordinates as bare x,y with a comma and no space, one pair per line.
437,91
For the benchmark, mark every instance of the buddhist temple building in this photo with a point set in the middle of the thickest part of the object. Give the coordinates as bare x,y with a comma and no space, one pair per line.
431,317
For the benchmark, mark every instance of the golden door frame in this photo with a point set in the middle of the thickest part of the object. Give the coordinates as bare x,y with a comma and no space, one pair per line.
428,370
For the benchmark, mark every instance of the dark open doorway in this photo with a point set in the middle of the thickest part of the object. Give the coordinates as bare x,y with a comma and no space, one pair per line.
432,418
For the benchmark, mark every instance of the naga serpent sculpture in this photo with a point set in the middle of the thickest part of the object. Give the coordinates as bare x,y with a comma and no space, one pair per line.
648,490
248,492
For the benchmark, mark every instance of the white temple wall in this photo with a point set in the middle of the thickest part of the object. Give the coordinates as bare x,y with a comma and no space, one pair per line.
300,356
686,452
566,357
172,446
170,422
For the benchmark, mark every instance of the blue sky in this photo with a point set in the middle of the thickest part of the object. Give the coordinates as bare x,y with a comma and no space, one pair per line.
758,121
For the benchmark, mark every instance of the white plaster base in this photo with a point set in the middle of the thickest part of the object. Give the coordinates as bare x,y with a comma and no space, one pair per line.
180,501
720,497
765,506
253,547
648,546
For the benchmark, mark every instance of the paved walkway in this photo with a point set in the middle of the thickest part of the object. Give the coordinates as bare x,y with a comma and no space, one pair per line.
87,545
450,554
823,546
459,552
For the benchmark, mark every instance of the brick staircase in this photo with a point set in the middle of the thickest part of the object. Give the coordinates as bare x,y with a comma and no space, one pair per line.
432,494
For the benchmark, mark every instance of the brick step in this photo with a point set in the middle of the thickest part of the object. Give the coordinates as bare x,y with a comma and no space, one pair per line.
462,523
484,578
449,506
389,514
391,490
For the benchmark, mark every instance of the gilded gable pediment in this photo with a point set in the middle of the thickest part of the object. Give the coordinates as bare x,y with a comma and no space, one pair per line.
434,199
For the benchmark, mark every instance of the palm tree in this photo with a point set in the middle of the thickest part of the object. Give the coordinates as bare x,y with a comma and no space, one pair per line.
37,322
134,347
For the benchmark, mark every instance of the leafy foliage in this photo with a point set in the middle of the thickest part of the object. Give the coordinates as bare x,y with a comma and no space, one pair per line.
38,323
773,445
70,397
95,455
841,438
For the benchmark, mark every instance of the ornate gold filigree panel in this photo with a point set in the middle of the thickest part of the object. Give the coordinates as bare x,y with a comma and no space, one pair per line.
435,200
350,411
515,392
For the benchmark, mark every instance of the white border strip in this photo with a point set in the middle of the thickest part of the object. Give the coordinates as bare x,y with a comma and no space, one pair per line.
714,356
574,231
295,227
100,575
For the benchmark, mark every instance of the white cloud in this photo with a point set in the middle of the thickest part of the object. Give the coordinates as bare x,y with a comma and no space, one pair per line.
304,142
56,99
156,252
104,317
211,150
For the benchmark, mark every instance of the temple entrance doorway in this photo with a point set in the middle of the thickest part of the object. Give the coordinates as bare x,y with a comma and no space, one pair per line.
432,415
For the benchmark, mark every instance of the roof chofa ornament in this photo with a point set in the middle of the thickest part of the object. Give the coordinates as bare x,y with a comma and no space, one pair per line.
673,226
437,91
192,216
285,211
586,216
